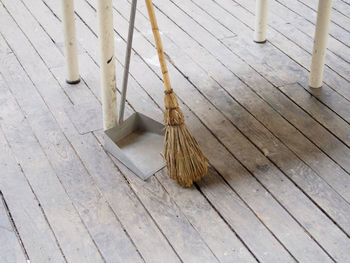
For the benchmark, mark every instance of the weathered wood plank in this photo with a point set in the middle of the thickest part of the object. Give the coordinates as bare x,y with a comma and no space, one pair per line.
163,251
114,187
93,156
331,145
214,68
226,13
119,20
197,102
236,214
36,234
337,17
187,228
96,212
290,13
223,237
309,15
70,232
255,131
258,250
161,208
283,43
342,7
185,239
137,38
332,100
259,85
281,17
213,190
64,220
10,249
282,65
169,218
239,251
79,245
217,234
318,111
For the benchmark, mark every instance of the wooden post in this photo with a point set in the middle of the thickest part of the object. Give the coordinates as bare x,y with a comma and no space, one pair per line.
108,80
70,42
320,43
260,21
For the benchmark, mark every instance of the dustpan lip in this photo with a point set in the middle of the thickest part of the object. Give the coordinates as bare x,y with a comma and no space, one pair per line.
140,122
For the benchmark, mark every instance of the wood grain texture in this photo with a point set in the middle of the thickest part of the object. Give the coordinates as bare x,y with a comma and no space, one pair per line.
98,215
277,188
71,233
148,89
228,256
149,239
264,54
33,228
344,238
261,87
10,249
282,34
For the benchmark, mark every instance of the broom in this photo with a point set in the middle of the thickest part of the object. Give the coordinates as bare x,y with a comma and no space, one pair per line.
185,160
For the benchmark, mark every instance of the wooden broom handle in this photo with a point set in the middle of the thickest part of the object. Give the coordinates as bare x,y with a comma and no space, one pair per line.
153,20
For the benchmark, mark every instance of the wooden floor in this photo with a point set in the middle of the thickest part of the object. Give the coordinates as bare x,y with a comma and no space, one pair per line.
278,189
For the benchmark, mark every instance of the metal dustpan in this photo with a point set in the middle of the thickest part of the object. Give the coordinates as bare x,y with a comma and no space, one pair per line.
138,144
138,141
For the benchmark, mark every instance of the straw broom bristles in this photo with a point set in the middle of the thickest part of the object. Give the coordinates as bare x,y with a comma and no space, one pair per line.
185,161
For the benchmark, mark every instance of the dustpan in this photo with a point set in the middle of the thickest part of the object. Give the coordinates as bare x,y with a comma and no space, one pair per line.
138,141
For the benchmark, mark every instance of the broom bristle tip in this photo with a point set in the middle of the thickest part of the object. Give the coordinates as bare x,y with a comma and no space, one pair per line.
185,161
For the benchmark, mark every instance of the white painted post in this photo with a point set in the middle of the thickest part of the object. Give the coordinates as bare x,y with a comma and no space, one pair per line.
320,43
260,21
72,67
108,81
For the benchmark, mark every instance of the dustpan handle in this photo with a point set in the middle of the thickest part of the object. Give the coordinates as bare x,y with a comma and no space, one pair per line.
153,20
127,60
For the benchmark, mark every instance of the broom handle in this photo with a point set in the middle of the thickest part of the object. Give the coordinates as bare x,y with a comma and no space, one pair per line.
153,20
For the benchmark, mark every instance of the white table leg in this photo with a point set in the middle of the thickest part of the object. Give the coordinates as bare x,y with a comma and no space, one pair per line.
108,80
320,43
70,42
260,21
